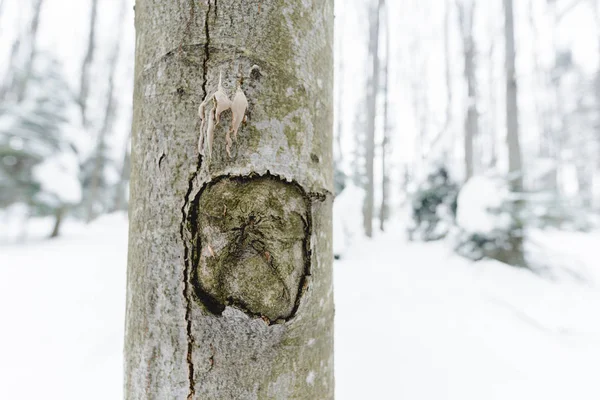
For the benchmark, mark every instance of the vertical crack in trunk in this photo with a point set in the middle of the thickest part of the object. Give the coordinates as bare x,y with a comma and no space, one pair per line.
186,280
185,215
206,51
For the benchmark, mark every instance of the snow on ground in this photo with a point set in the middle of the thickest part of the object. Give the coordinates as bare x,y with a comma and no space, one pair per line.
413,321
62,314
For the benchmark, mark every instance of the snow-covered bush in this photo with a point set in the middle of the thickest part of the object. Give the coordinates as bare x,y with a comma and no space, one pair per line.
347,218
490,221
433,206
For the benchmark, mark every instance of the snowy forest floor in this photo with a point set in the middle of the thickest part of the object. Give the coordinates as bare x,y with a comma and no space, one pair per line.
413,321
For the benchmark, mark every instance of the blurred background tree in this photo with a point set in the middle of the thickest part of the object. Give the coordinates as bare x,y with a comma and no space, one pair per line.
65,108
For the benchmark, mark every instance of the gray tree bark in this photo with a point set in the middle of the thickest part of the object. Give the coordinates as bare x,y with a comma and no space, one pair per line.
466,13
229,292
372,89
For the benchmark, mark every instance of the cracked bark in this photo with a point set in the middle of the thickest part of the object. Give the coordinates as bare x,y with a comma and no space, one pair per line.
252,345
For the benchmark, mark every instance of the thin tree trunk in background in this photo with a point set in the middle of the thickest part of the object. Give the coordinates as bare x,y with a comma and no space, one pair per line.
8,82
372,89
445,136
229,288
552,121
492,105
448,75
359,154
23,80
383,209
107,123
544,108
339,102
58,218
515,167
585,181
84,86
466,13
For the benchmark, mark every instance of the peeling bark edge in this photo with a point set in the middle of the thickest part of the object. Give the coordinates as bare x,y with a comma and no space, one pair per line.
209,303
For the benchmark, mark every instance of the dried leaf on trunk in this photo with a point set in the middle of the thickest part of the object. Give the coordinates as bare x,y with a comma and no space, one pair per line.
238,111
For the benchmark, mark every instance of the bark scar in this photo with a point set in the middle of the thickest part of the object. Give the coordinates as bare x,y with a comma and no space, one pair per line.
251,269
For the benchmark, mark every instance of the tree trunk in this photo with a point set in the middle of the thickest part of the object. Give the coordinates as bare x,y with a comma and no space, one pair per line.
466,14
515,167
58,218
372,89
383,209
229,292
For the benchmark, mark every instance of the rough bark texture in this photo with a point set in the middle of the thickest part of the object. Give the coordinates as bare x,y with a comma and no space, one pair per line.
229,292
